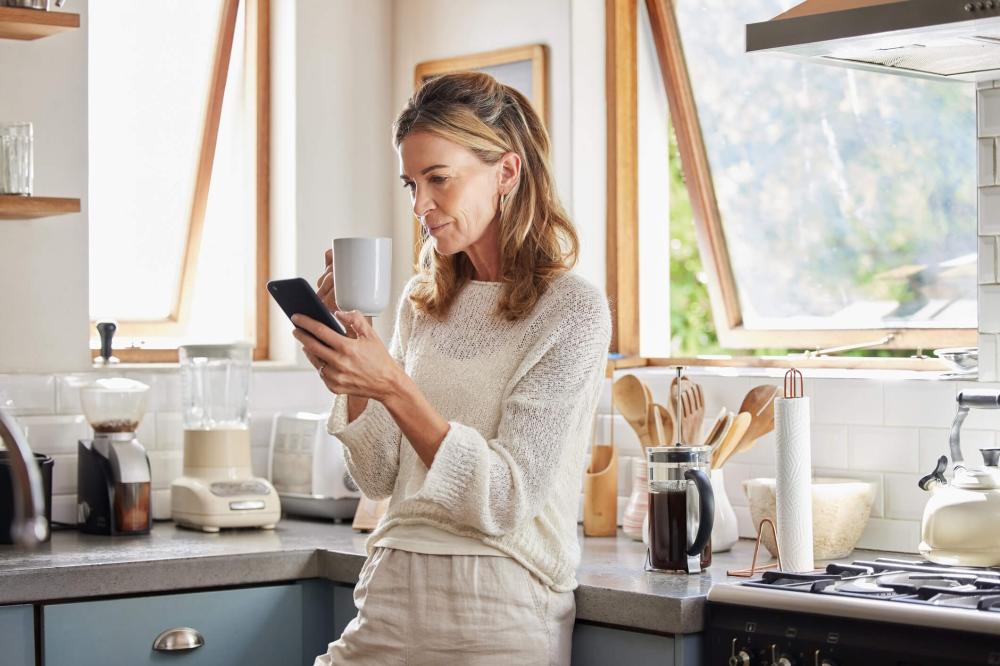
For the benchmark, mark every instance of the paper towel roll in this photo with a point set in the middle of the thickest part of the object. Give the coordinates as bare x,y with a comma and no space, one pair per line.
793,483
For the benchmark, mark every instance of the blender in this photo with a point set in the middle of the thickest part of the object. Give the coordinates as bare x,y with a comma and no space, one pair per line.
112,476
218,488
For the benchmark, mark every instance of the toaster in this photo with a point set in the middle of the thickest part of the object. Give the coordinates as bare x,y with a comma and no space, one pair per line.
306,466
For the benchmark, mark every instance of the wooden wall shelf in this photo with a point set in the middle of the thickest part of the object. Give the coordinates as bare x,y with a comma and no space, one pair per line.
19,23
14,207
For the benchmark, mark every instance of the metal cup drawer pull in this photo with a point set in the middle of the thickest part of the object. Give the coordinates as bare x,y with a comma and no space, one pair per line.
179,639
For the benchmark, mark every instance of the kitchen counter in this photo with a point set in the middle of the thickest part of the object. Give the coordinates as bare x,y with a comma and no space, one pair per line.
613,590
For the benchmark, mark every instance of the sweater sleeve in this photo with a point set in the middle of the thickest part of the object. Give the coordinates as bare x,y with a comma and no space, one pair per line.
497,485
371,441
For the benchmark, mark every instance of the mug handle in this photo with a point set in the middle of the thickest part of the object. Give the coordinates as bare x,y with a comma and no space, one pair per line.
706,509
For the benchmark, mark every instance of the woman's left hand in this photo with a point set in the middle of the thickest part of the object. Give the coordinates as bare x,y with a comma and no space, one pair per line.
359,365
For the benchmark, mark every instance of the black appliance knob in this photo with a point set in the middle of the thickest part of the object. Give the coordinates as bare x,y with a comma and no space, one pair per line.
968,7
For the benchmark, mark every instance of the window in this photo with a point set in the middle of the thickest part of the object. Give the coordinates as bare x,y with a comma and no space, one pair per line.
834,206
178,172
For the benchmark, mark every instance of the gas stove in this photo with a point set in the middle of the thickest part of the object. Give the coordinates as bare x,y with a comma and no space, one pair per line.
880,612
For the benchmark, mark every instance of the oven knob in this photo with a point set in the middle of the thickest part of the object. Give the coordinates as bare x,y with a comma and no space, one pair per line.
741,658
824,661
779,661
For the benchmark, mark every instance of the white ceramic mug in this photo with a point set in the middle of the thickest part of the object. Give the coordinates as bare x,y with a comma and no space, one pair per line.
362,272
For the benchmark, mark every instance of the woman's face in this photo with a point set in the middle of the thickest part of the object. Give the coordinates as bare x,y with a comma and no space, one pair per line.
454,193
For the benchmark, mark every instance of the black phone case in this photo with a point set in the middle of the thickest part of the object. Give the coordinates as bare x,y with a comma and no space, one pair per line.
296,296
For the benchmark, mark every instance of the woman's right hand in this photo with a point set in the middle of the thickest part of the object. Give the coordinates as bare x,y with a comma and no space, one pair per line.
324,286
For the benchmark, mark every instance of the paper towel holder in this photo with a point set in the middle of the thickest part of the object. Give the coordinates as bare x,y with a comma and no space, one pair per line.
794,384
747,573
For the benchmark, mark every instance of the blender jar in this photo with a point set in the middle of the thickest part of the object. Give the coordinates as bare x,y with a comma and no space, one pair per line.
681,508
215,399
215,386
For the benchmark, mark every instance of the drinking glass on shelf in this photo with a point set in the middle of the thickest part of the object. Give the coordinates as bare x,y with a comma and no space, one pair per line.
16,169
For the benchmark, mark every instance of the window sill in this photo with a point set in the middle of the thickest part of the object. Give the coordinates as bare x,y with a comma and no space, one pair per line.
930,369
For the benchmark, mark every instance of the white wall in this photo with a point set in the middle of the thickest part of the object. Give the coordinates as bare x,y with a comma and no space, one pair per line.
43,262
333,154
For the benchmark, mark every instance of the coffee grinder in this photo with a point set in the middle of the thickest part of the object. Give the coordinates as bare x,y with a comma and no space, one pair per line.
218,488
113,478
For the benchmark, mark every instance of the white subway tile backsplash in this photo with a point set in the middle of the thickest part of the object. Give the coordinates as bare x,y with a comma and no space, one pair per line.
986,154
625,439
883,449
64,474
168,392
988,358
930,404
988,112
169,431
989,308
989,211
895,535
68,393
846,401
64,509
904,499
829,446
734,474
934,444
987,260
762,452
165,467
258,460
293,390
53,434
29,394
161,504
260,429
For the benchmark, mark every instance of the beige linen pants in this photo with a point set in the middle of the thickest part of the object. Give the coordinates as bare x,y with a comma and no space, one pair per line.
417,609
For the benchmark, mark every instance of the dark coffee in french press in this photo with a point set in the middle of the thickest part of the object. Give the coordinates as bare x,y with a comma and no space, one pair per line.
681,509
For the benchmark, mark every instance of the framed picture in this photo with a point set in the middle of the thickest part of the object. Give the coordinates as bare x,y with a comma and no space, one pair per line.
524,68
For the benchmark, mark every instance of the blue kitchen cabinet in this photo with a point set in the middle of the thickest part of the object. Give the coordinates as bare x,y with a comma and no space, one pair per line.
17,635
277,624
598,645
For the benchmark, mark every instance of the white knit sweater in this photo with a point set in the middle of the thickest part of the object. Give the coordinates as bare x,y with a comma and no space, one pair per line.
520,399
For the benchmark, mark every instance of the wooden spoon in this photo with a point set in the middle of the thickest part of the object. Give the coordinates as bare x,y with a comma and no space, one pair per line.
716,430
668,423
759,403
653,420
631,398
733,437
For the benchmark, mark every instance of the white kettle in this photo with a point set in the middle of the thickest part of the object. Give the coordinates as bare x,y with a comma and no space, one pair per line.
961,521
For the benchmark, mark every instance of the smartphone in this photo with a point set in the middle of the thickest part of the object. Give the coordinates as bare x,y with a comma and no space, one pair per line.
296,296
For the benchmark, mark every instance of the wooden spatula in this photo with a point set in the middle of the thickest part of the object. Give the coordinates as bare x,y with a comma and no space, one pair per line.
733,437
759,403
630,398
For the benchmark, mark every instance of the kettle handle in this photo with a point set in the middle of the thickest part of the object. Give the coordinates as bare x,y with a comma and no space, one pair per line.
706,509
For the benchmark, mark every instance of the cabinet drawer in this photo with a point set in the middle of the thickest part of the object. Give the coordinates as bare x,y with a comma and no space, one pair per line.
17,635
249,626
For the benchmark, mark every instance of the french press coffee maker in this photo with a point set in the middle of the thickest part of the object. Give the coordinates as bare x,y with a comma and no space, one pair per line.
681,509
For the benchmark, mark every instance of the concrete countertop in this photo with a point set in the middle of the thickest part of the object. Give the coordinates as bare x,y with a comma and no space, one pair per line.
613,589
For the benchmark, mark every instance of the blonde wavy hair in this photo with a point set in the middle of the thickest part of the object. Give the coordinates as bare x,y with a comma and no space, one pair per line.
537,239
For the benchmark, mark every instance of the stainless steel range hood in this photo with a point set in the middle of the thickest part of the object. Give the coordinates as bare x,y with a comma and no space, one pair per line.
939,39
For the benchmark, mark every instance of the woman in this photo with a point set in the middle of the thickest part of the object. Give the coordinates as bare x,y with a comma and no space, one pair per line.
476,419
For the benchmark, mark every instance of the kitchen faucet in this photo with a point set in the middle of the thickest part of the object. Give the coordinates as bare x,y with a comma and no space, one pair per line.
29,526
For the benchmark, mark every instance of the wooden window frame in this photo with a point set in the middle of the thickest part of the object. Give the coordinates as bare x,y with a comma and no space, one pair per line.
723,295
258,71
536,53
